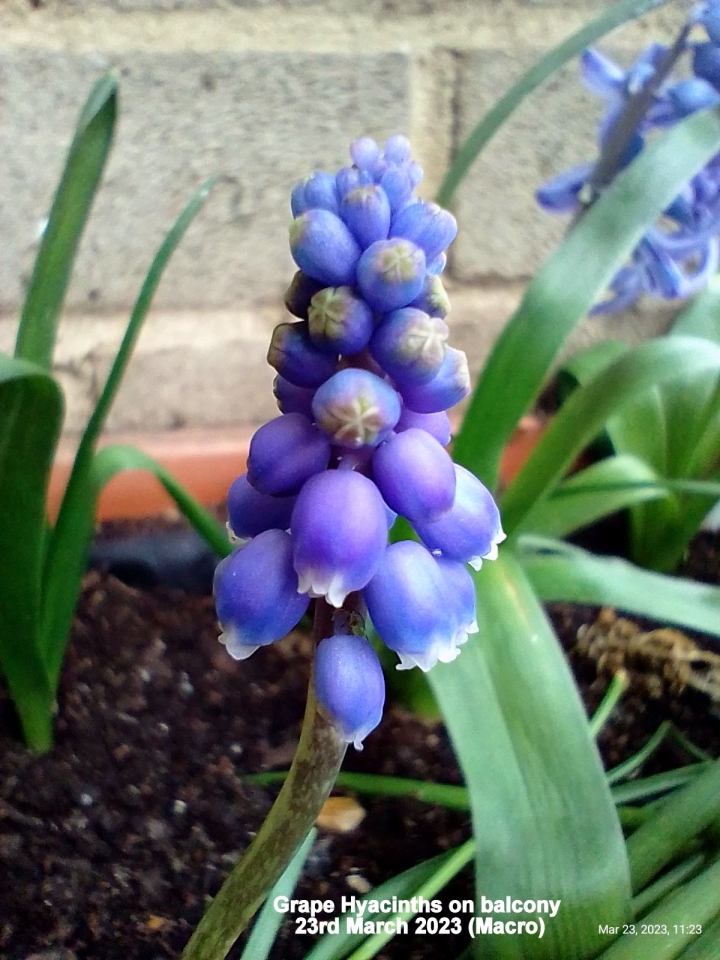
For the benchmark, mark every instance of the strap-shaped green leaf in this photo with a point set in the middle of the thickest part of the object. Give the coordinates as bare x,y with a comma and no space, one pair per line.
71,206
593,405
593,493
31,411
70,539
571,281
543,816
561,573
493,120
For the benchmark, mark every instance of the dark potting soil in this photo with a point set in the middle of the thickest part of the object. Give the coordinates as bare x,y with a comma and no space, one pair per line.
111,844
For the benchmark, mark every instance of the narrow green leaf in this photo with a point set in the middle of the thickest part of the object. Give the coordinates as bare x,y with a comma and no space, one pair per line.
444,794
633,763
31,411
51,274
339,946
656,785
686,814
592,405
70,539
106,464
561,573
571,281
695,904
445,873
668,882
535,827
593,493
707,945
614,692
259,943
486,129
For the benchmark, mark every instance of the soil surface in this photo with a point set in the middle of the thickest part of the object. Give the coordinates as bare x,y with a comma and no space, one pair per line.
111,845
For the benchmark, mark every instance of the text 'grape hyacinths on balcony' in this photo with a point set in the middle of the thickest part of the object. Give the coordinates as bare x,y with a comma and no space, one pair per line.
364,380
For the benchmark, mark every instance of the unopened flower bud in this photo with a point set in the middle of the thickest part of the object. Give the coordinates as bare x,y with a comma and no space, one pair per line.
436,424
397,186
397,149
292,399
323,248
356,408
415,475
364,153
339,321
366,211
299,294
427,225
284,453
349,685
436,266
391,273
256,594
407,605
433,299
471,529
410,346
251,512
339,530
450,386
295,358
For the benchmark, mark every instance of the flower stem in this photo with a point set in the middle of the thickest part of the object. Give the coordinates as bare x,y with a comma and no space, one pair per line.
312,775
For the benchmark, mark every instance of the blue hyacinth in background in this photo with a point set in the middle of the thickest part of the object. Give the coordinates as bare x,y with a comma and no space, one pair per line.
679,255
364,380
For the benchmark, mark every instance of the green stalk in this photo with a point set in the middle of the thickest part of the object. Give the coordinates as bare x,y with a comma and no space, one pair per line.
312,775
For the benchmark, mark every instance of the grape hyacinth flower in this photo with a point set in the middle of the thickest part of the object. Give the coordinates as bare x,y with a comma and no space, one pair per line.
364,380
679,255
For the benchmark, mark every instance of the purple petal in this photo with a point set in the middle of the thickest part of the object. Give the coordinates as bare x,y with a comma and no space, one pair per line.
284,453
350,686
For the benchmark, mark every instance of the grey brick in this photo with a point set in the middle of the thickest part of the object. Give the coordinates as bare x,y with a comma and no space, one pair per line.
503,233
261,121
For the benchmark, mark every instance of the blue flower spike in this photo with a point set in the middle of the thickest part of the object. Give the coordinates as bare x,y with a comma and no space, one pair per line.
364,380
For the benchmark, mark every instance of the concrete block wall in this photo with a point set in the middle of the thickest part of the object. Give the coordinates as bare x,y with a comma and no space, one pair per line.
261,92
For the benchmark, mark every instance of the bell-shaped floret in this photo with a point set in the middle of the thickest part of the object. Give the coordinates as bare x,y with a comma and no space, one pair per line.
366,211
339,529
428,226
256,594
292,399
433,298
299,294
251,512
410,346
339,321
461,596
284,453
561,194
450,386
436,424
349,685
356,408
323,248
295,358
471,529
390,274
436,266
415,475
408,605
